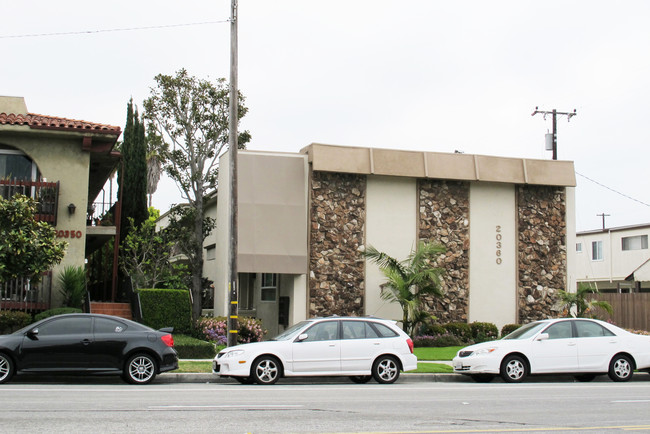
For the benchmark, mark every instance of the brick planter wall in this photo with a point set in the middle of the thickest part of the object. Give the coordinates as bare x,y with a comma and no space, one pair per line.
337,228
542,250
444,219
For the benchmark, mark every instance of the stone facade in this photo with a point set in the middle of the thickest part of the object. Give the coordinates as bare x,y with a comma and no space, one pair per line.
337,231
542,250
444,219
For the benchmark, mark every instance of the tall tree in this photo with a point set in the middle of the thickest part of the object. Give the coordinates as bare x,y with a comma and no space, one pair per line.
132,176
191,117
410,280
27,247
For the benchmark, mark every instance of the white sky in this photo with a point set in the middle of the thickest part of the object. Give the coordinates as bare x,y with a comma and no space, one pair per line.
401,74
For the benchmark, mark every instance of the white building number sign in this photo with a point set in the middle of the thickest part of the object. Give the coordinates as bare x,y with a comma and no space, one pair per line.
499,236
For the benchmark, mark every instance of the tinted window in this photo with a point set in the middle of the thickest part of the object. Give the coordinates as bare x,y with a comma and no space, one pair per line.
560,330
384,331
358,330
323,331
66,326
105,325
588,329
526,331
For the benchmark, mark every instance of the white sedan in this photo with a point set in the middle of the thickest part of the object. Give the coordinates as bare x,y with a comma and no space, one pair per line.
582,347
361,348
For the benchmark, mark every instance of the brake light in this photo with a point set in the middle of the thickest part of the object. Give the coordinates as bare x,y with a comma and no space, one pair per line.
410,344
168,340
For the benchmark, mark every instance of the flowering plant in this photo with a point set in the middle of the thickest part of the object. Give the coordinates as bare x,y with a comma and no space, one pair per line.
216,330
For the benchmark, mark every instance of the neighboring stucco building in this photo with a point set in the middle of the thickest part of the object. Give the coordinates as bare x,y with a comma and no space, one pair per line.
65,164
304,219
614,259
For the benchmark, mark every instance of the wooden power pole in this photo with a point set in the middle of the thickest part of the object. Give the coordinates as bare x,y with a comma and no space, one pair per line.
554,113
233,323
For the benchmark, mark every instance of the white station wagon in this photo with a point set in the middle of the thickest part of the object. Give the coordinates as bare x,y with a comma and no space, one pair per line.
359,347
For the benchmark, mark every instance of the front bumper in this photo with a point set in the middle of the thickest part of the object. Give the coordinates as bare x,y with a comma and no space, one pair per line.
475,365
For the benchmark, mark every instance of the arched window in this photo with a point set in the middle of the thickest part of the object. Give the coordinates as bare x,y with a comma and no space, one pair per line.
15,165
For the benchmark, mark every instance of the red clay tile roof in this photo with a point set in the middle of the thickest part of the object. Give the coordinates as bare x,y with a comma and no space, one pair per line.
53,123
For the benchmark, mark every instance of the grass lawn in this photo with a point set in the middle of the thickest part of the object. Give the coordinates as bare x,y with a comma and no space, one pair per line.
431,353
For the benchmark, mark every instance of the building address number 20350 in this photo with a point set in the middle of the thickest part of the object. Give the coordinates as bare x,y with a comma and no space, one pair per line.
499,237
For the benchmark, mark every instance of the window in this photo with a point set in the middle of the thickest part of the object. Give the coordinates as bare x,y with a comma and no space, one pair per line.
596,250
359,330
211,252
578,247
66,326
246,292
323,331
16,165
560,330
384,331
639,242
269,289
588,329
105,325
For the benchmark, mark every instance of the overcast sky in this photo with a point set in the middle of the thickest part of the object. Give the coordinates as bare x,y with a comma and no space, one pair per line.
402,74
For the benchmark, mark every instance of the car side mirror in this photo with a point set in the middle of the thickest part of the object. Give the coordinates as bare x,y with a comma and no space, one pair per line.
33,333
302,337
542,337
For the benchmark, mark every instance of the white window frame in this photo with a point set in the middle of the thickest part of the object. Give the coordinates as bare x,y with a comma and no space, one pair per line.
597,251
578,247
635,242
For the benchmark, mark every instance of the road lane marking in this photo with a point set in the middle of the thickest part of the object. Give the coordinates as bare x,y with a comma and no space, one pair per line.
240,406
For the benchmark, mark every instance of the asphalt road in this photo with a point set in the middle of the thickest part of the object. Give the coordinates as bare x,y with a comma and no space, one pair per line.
107,405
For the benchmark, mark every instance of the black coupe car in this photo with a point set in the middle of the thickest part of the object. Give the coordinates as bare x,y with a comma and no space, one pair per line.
88,344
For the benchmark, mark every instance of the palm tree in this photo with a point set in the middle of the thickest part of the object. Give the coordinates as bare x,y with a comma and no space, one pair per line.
577,304
409,281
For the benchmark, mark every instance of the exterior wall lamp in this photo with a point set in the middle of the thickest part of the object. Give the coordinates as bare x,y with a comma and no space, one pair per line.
71,208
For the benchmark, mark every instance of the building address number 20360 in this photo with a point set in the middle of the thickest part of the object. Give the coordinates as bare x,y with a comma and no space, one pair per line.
499,237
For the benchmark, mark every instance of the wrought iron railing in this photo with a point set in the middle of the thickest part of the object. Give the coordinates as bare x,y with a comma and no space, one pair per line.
46,195
22,294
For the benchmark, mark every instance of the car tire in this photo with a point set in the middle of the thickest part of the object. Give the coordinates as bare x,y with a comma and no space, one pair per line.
621,368
6,368
140,369
514,369
266,370
385,370
482,378
245,380
360,379
585,378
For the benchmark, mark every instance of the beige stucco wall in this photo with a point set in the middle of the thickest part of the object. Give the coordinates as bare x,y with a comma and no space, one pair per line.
493,264
391,227
62,160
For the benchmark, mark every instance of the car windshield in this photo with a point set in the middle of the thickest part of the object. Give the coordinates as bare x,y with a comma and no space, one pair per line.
524,332
290,332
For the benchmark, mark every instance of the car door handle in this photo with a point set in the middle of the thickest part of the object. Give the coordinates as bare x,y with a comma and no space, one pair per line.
85,341
571,344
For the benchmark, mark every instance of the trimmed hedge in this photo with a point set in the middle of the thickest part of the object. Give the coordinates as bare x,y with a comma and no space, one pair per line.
509,328
484,331
188,347
11,320
166,308
461,330
56,311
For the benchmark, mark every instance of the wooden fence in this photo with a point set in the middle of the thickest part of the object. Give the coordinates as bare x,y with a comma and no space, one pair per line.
631,310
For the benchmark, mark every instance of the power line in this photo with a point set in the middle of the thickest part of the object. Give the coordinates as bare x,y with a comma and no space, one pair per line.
125,29
611,189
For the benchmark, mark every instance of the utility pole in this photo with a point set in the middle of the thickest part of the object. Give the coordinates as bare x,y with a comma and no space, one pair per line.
603,215
233,296
555,113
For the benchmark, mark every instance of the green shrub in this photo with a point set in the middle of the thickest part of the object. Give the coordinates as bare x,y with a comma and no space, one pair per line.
166,308
432,330
188,347
509,328
461,330
73,286
11,320
484,331
56,311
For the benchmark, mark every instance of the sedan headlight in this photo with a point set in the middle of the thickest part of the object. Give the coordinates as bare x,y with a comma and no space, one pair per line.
234,353
485,350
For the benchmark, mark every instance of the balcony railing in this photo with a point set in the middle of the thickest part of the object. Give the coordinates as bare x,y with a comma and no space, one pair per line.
21,294
46,195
